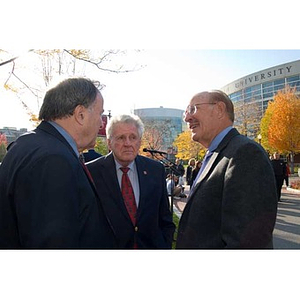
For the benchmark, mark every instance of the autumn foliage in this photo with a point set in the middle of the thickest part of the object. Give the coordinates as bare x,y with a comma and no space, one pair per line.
187,148
280,126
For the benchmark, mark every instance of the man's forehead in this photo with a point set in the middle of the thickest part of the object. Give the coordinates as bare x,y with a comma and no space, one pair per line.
200,97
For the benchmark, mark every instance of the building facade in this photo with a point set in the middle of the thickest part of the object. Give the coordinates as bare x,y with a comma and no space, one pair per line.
168,121
262,86
12,133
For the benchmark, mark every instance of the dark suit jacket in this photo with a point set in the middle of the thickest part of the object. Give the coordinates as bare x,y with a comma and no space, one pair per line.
46,198
234,203
154,227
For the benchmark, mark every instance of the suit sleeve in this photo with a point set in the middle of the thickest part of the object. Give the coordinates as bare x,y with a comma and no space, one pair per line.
47,204
249,203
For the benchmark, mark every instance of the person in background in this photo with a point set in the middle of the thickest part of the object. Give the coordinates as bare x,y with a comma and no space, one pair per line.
180,172
189,170
133,188
233,202
196,170
91,154
47,199
172,186
287,175
279,168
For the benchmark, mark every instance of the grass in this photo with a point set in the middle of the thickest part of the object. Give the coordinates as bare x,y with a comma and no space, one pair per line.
176,222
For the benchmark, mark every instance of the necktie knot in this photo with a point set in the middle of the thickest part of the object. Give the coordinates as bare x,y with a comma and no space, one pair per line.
124,170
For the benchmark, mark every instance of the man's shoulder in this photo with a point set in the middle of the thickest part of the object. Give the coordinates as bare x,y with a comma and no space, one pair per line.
147,160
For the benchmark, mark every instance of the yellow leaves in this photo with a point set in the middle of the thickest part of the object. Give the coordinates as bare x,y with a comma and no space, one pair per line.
281,122
186,147
9,87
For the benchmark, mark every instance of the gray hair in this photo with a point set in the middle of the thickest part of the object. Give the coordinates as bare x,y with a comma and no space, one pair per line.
61,101
127,119
219,96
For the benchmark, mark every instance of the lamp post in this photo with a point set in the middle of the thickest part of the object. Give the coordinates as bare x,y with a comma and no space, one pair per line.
259,138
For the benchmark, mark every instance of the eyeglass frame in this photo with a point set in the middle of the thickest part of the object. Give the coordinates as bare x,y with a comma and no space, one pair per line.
189,108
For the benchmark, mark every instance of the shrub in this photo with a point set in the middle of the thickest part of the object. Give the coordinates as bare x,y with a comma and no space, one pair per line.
295,185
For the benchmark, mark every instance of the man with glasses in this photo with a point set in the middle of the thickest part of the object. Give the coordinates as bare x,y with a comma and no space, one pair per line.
233,202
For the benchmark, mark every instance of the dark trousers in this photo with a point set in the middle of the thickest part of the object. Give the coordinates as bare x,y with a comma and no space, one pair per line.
279,183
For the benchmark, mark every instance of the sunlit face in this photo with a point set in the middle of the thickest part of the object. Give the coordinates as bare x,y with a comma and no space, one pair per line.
201,120
124,143
93,122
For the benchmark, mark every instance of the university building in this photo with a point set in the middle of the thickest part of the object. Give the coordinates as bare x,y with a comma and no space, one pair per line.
261,87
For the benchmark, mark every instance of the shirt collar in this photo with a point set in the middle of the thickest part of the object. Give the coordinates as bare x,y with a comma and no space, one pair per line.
130,166
217,140
66,135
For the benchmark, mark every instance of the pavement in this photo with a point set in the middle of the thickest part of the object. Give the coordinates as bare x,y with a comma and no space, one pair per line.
286,233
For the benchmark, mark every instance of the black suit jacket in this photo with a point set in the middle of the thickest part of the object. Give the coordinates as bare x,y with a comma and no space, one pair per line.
46,198
154,227
234,202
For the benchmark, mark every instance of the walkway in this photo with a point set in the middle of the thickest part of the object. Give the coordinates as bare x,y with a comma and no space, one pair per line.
287,228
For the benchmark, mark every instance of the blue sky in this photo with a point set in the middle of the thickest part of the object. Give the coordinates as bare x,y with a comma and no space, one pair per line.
169,79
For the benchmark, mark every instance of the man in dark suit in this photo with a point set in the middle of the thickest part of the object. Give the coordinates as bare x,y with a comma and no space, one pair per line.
150,226
233,201
46,197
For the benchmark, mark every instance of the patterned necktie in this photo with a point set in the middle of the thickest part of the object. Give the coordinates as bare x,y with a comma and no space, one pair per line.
128,195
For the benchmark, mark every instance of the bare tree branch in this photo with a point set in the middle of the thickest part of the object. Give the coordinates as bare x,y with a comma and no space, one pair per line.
102,59
11,60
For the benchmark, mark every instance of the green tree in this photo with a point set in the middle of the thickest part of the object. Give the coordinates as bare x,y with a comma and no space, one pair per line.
101,146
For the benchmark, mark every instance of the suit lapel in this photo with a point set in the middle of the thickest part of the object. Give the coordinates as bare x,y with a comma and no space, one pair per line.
109,177
232,133
143,174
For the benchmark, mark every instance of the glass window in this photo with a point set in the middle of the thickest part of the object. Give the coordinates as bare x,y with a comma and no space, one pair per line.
267,89
279,85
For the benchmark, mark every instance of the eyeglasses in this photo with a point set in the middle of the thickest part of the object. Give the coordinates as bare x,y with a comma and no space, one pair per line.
191,109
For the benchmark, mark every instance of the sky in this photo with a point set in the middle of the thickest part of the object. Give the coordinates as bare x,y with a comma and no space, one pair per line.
166,77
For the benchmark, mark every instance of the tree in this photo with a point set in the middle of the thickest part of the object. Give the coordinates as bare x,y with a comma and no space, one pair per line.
30,80
101,146
247,118
187,148
282,118
157,134
3,145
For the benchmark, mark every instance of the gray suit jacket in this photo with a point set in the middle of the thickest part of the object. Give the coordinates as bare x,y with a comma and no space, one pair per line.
234,203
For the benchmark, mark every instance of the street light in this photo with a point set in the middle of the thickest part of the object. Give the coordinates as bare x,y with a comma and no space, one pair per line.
259,138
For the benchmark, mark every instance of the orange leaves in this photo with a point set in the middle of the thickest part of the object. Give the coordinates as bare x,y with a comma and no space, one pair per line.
281,123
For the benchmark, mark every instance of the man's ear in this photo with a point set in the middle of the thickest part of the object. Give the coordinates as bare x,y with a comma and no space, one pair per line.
108,144
221,109
79,114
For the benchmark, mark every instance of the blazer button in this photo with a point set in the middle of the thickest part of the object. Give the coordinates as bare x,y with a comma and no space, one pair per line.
136,229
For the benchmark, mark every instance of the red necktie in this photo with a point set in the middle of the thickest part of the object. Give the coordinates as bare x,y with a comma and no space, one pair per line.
86,170
128,195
